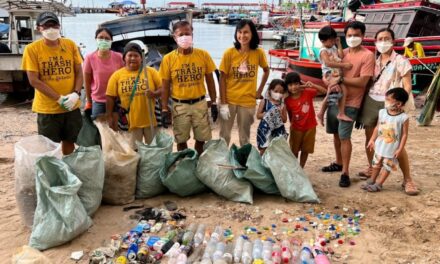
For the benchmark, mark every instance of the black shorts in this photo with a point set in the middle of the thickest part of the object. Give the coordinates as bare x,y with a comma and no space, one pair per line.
60,127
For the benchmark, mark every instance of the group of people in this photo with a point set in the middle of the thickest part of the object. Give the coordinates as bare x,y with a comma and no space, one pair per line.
123,91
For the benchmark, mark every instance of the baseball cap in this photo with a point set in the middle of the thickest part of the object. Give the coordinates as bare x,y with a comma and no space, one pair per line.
132,47
408,41
46,17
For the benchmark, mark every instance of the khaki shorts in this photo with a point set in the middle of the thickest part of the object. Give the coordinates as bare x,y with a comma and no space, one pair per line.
142,135
187,116
370,111
303,141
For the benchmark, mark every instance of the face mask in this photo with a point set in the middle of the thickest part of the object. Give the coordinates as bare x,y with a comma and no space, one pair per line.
276,96
353,42
383,46
51,34
184,41
103,44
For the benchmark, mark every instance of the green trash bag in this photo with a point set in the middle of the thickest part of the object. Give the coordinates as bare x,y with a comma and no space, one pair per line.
179,173
88,165
290,178
89,134
151,163
60,215
253,170
214,170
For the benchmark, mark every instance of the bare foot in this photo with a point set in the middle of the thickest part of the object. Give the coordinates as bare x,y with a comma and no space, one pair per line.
344,117
320,117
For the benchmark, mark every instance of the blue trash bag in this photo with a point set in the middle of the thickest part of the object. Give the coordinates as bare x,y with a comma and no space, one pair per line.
213,171
290,178
60,216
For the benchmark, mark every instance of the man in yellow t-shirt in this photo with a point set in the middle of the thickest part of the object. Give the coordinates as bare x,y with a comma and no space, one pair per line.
183,73
413,49
53,67
140,103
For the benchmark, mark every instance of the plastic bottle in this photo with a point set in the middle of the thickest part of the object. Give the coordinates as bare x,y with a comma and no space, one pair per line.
306,256
217,235
181,259
257,251
132,251
219,251
238,250
228,255
187,249
285,252
295,249
200,233
196,255
157,227
320,257
246,257
276,254
189,234
267,250
209,250
167,246
174,250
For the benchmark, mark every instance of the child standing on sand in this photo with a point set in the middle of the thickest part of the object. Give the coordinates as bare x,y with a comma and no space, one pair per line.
273,115
331,57
303,123
388,139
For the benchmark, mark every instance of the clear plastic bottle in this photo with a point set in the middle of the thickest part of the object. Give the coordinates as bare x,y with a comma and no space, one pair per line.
285,252
295,249
196,255
181,259
306,255
217,235
228,255
257,251
238,249
219,251
276,254
189,234
174,250
246,257
209,250
267,251
200,233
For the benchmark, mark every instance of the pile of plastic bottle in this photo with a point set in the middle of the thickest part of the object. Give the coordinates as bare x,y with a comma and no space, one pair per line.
275,245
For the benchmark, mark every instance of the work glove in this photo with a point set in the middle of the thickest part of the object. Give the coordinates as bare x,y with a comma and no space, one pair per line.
61,101
166,118
224,112
71,101
214,112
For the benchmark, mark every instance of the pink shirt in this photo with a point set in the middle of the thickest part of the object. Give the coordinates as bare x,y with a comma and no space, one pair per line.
363,65
101,70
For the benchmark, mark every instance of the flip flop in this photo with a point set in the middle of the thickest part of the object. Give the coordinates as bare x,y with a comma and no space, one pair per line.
365,185
366,174
374,188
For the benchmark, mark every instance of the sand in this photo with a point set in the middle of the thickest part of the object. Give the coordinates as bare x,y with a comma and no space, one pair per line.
396,228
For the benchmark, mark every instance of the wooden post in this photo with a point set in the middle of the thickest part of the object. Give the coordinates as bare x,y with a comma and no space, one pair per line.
144,2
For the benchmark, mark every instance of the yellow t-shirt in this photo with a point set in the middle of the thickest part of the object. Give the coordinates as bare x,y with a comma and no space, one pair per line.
55,67
417,51
121,84
241,88
187,73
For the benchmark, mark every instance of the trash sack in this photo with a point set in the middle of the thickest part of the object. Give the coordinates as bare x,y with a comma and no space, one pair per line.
179,173
290,178
60,215
151,163
253,170
27,151
88,165
120,162
89,134
29,255
220,178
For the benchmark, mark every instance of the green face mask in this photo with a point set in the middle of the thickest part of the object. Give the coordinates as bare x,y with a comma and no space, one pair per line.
103,44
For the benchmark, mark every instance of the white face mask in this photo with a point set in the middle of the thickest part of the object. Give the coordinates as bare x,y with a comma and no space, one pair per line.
184,42
383,46
51,34
353,42
276,96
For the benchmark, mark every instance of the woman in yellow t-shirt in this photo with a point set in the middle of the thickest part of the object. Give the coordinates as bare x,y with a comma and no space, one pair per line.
140,103
238,81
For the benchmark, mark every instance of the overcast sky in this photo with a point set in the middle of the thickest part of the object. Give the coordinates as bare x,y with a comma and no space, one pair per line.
155,3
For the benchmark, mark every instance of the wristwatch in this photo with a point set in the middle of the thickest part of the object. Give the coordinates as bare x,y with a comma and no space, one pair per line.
341,80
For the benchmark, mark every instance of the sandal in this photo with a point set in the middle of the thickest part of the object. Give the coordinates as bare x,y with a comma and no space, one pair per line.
363,175
410,188
374,188
365,185
332,167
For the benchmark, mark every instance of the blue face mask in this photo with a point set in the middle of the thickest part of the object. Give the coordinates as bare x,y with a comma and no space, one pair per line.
103,44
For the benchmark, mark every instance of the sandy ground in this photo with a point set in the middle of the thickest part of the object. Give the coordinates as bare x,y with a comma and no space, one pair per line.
396,229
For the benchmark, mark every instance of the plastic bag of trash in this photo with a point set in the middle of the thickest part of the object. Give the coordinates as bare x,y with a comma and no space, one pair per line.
179,173
89,134
214,170
120,166
290,178
151,163
251,168
29,255
60,215
88,165
27,151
